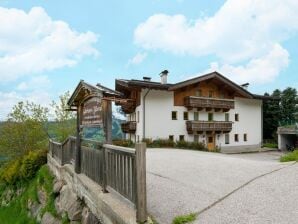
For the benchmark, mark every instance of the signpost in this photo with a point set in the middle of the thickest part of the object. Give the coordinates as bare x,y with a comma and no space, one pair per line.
92,112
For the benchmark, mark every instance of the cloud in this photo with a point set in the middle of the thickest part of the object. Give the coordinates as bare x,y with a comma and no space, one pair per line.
259,70
33,42
245,36
137,59
40,82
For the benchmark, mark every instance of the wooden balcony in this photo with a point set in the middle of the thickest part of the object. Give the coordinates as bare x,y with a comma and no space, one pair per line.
210,126
128,107
208,103
129,127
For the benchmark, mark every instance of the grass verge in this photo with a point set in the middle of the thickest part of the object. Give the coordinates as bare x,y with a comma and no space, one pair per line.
185,219
292,156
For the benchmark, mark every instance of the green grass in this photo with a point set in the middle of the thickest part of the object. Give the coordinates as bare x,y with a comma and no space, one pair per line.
16,212
292,156
184,219
270,145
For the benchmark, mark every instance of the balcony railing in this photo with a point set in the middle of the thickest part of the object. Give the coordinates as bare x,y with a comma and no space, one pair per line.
214,126
129,127
208,103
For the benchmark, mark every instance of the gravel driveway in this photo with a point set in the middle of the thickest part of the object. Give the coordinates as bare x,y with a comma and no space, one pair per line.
217,186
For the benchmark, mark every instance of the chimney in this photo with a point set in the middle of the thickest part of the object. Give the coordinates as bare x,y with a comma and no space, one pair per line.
148,79
164,77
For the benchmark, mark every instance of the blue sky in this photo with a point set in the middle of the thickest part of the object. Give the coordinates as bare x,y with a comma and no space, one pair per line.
46,47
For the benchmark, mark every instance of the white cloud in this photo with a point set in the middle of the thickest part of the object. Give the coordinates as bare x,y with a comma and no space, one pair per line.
9,99
33,42
137,59
40,82
260,70
245,36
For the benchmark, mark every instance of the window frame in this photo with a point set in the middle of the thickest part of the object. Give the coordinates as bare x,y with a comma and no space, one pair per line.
185,115
245,137
212,117
174,118
236,117
181,138
227,139
236,138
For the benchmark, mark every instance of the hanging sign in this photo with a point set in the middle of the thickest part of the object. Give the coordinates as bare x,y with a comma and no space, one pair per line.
92,112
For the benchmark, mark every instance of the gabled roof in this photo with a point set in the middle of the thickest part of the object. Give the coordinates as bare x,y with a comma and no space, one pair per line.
83,86
212,75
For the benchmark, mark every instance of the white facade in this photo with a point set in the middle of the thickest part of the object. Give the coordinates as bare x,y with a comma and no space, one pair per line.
159,124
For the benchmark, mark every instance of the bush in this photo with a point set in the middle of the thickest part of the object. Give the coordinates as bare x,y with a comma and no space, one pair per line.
123,143
23,168
163,143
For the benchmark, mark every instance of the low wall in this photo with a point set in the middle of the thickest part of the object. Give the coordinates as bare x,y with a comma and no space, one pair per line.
111,208
242,149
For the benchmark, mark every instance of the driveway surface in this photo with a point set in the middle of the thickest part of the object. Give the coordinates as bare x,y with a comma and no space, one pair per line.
239,188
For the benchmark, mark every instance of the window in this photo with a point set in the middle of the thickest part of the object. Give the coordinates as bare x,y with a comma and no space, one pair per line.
138,116
171,138
198,92
227,139
185,116
245,137
236,139
196,116
210,116
227,116
174,115
181,137
196,138
236,117
211,93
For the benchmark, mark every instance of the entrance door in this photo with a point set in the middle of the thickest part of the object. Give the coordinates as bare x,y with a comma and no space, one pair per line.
211,142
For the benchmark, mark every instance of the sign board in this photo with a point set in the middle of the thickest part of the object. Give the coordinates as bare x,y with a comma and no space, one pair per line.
92,112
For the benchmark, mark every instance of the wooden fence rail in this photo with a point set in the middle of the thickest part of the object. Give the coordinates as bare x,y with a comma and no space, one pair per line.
114,168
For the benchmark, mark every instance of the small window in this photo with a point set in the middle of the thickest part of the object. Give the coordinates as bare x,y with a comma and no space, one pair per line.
199,92
174,115
227,116
227,139
196,138
236,117
185,116
181,137
196,116
211,94
171,138
245,137
236,138
138,116
210,116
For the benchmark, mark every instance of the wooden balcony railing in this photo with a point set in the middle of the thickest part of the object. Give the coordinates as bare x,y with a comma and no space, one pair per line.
216,126
128,107
208,103
129,127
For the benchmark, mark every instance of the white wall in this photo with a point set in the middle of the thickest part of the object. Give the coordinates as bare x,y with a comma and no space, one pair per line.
159,123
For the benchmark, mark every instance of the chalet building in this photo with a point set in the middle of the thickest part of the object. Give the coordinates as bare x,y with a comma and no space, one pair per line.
210,109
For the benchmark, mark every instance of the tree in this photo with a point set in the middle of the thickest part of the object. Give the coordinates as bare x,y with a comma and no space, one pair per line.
24,130
288,103
65,120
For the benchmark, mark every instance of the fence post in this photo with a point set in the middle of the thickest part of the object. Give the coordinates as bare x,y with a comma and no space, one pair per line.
141,196
78,144
104,170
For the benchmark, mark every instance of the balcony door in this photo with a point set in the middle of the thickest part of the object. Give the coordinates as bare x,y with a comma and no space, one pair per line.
211,142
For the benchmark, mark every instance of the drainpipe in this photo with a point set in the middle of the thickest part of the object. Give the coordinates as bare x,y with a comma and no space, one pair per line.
144,113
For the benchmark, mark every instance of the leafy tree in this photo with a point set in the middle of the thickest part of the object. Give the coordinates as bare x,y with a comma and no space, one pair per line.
24,130
65,120
288,103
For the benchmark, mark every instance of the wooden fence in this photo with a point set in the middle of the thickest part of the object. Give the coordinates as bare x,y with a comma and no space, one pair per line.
115,169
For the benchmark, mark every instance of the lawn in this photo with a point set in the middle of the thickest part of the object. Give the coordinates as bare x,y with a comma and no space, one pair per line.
292,156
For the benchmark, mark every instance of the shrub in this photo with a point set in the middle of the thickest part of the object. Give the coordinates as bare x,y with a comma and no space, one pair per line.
160,143
123,143
185,219
23,168
148,141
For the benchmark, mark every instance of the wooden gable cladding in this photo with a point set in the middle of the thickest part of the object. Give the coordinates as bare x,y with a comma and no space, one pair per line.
205,88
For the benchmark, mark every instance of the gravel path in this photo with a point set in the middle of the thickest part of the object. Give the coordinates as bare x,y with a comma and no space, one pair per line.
183,181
